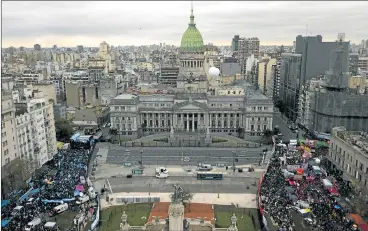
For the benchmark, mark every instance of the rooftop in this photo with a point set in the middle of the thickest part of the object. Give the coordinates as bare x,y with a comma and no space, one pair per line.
126,96
358,140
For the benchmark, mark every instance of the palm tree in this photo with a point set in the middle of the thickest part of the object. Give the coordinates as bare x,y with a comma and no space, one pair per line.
267,134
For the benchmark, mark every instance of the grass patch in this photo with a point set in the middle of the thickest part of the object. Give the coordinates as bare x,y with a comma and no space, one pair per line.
244,223
163,140
219,140
111,217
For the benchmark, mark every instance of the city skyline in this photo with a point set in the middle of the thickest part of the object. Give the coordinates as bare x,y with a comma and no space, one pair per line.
26,23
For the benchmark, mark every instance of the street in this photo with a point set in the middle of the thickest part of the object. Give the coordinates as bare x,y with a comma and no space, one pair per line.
152,184
284,129
182,155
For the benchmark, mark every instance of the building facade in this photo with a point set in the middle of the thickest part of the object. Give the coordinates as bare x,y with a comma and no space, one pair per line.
192,108
9,144
349,153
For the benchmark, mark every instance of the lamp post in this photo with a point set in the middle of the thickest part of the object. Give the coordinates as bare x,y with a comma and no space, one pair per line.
233,160
218,189
141,157
149,190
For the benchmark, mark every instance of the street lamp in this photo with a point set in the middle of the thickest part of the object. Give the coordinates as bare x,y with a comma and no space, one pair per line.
233,160
149,190
218,189
141,157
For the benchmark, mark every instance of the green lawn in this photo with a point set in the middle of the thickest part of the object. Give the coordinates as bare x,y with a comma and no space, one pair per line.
244,223
137,215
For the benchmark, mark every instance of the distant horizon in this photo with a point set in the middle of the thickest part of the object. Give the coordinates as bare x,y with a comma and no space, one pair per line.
70,23
50,47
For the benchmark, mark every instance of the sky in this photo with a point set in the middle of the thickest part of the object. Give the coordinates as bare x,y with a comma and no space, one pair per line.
88,23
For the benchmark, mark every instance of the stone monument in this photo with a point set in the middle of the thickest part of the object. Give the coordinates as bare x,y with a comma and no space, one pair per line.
124,226
172,136
208,138
233,226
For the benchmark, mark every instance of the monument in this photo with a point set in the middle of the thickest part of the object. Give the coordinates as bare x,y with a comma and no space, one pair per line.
233,226
208,138
176,221
124,226
172,136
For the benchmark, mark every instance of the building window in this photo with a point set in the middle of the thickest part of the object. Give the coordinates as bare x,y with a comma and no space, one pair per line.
253,108
265,108
252,118
252,127
264,127
6,152
259,119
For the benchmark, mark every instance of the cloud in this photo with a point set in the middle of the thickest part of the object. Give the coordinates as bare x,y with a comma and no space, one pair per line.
125,23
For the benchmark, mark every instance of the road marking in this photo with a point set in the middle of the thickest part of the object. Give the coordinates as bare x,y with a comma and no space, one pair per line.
108,182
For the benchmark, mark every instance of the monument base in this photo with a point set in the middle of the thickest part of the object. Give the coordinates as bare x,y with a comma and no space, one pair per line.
176,217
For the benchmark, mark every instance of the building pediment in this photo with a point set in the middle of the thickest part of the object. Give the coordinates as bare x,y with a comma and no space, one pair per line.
190,106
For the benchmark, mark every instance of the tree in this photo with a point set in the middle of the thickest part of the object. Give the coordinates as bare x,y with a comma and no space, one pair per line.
63,129
240,130
267,134
114,132
276,130
280,105
15,174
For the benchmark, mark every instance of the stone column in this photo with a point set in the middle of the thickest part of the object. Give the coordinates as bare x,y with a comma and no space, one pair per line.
234,122
182,121
228,120
159,120
222,120
187,122
193,122
216,118
176,217
175,120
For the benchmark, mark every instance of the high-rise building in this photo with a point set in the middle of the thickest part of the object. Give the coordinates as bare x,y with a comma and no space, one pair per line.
247,48
9,144
315,55
37,47
235,43
276,78
333,104
353,63
289,83
80,48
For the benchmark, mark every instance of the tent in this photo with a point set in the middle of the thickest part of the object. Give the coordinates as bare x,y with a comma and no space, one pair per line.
5,203
4,223
300,171
79,188
357,218
363,227
333,191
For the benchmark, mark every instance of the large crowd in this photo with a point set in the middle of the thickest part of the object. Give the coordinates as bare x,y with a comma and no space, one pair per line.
61,181
298,194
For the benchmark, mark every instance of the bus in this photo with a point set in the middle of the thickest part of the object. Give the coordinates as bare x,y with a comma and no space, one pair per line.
210,176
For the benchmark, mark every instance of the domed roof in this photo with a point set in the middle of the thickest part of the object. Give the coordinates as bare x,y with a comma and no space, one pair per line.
192,40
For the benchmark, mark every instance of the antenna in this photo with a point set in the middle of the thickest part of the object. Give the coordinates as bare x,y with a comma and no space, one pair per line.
306,30
191,6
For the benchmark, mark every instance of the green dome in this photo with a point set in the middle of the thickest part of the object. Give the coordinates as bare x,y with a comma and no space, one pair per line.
192,40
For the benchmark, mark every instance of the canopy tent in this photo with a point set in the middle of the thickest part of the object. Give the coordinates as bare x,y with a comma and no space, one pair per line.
327,183
80,188
59,145
4,223
300,171
322,144
363,227
333,191
357,218
5,203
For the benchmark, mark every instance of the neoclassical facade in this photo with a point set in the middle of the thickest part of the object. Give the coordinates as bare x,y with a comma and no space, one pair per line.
191,112
192,108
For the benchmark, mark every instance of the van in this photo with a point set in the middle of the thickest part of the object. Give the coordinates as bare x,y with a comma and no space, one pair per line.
161,170
50,226
17,210
59,209
83,199
162,175
205,167
33,224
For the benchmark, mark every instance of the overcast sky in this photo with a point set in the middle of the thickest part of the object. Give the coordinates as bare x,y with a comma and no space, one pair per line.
89,23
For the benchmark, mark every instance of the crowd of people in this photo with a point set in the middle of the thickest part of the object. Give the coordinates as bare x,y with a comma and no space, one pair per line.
61,181
297,194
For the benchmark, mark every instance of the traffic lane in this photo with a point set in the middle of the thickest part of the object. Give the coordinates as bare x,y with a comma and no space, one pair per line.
151,184
217,153
178,160
284,129
185,148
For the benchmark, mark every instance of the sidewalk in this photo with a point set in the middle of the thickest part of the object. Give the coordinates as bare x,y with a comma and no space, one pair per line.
242,200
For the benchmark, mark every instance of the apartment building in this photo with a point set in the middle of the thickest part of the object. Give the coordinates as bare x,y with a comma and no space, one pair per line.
42,129
9,144
349,153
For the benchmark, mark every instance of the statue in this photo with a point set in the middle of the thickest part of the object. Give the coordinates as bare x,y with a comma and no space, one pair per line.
176,209
172,131
177,196
124,226
208,131
233,226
